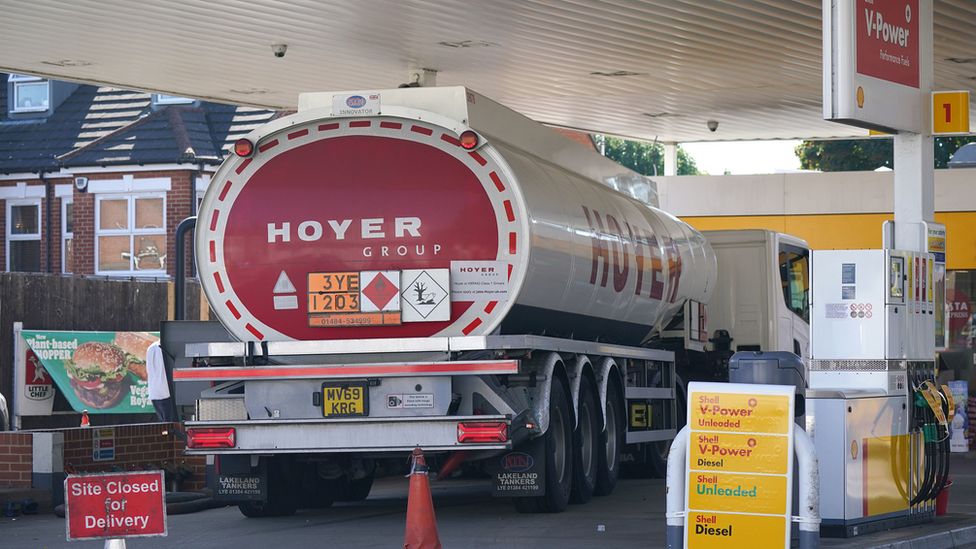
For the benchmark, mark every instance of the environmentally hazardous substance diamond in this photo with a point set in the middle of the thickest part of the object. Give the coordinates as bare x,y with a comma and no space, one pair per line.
380,291
424,294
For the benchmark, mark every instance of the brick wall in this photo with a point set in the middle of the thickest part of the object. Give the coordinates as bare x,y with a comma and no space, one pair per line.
16,457
84,233
137,448
179,203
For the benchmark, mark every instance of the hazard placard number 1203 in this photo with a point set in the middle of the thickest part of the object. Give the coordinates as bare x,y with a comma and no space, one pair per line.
333,292
333,302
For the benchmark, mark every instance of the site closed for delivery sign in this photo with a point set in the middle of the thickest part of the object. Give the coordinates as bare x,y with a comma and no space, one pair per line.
115,505
739,465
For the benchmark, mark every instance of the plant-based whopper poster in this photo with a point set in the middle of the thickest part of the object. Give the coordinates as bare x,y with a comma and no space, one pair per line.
102,372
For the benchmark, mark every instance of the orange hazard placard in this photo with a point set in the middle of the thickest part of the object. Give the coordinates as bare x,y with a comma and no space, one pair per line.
341,302
339,320
333,282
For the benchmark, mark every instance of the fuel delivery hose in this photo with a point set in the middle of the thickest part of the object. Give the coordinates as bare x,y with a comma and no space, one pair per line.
944,446
924,418
938,406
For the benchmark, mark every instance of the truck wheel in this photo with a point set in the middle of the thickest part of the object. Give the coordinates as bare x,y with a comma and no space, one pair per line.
283,488
354,489
559,456
359,489
586,445
315,492
612,440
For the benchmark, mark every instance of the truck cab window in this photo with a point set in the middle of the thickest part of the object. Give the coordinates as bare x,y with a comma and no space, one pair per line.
794,268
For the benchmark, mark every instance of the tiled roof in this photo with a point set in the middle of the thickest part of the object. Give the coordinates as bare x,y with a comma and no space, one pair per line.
101,126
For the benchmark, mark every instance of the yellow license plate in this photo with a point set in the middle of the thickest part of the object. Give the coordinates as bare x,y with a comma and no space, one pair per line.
345,399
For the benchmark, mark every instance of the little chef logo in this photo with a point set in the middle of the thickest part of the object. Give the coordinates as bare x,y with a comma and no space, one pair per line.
356,102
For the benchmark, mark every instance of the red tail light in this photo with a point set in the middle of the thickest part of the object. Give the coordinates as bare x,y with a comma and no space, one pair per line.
468,140
243,148
211,437
482,432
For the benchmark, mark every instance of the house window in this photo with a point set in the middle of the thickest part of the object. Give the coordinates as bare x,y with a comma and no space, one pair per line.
24,235
163,99
130,235
67,236
30,93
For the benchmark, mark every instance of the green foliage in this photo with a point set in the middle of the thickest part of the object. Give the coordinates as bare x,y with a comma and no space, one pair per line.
642,157
866,154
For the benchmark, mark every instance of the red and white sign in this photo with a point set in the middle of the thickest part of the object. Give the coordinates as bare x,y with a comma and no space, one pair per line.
357,196
115,505
379,288
887,40
38,385
960,318
877,63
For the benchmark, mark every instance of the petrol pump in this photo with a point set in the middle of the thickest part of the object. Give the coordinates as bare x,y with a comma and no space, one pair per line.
874,411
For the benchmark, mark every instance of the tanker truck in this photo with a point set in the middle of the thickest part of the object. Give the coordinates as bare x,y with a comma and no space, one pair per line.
423,267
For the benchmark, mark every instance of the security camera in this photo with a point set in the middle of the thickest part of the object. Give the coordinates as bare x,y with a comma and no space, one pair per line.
712,125
279,49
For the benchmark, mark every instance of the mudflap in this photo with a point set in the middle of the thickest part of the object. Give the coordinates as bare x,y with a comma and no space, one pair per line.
520,473
237,481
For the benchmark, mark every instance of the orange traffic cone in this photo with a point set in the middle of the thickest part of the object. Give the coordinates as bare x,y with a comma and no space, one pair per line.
84,419
421,524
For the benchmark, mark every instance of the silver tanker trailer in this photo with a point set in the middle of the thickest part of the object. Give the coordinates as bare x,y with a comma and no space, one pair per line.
425,267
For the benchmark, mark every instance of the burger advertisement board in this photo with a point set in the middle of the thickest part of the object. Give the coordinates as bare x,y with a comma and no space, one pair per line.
102,372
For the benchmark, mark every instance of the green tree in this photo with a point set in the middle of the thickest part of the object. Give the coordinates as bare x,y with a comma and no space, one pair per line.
642,157
866,154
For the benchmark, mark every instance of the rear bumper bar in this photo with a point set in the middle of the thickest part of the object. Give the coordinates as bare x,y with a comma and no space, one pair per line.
358,435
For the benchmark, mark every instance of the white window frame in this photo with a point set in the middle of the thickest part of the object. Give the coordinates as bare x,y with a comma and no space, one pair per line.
164,99
131,232
10,237
17,80
65,235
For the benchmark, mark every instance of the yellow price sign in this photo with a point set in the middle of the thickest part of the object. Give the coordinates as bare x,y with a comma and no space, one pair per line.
950,112
735,492
721,531
750,413
768,454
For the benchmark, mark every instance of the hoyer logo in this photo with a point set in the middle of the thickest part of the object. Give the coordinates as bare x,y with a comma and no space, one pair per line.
612,248
367,228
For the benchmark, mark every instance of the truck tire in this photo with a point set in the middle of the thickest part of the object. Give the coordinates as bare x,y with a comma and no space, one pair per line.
355,489
586,444
559,456
283,488
612,440
315,492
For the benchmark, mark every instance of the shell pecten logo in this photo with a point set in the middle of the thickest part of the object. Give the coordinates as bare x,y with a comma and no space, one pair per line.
860,97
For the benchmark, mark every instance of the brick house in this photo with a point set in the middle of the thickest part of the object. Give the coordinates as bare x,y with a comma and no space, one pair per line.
94,180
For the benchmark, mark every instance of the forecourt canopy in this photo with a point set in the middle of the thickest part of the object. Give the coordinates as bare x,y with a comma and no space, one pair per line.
650,70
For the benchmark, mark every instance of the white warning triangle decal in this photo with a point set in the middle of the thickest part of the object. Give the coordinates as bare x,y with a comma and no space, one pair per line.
284,285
